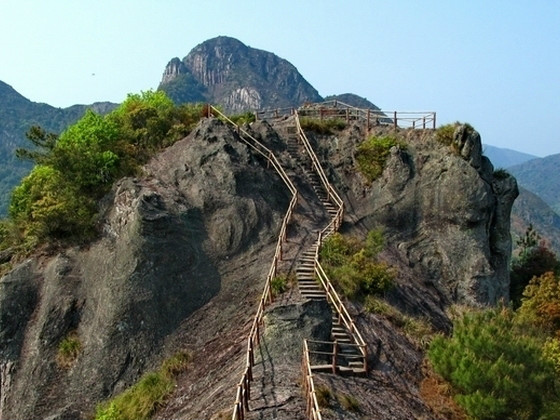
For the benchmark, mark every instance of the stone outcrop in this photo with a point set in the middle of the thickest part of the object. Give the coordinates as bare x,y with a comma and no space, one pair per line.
445,214
185,249
171,243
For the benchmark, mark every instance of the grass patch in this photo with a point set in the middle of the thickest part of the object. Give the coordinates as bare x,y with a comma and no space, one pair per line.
68,350
245,118
141,400
352,265
326,126
501,173
324,396
372,155
349,402
418,330
281,283
444,133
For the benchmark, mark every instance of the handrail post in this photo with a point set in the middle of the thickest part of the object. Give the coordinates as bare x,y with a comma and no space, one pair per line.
395,120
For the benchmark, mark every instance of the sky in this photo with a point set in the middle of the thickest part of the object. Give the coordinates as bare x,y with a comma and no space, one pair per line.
494,64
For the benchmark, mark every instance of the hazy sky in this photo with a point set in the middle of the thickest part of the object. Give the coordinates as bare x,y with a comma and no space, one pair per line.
494,64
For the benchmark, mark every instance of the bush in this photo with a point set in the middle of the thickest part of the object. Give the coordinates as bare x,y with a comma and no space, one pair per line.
352,267
501,173
372,154
497,366
68,350
325,126
444,133
245,118
278,285
540,304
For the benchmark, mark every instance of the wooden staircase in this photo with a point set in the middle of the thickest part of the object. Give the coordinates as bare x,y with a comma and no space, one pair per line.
348,356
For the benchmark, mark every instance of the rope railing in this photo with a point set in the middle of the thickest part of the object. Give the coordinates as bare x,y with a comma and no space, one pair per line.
243,393
312,409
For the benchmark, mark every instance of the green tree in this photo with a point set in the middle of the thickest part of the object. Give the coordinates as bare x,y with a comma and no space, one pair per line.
45,205
540,304
497,366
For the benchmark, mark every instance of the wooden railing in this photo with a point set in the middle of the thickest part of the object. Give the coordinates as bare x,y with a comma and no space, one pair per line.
244,387
312,409
372,117
332,195
341,311
331,349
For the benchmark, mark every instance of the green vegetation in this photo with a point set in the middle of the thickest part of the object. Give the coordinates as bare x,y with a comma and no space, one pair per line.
496,363
245,118
501,173
322,126
419,330
349,402
444,133
281,283
372,155
57,201
352,265
68,350
142,399
534,260
324,396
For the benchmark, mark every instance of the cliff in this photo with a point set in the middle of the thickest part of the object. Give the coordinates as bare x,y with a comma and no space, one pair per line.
185,249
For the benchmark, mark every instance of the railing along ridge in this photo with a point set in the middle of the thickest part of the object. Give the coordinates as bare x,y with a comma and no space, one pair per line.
372,116
244,387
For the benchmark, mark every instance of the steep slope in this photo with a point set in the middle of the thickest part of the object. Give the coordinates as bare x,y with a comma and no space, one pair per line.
225,71
185,250
178,266
540,176
17,115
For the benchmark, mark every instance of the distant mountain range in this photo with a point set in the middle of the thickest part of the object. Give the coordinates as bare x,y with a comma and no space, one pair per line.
17,115
504,158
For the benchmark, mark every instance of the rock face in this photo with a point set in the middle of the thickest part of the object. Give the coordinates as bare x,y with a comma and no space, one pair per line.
445,214
185,250
204,203
240,78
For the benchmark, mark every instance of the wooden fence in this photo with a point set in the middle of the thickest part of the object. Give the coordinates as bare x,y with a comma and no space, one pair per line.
312,409
372,117
244,386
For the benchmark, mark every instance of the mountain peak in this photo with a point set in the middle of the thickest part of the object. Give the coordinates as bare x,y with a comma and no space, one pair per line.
225,71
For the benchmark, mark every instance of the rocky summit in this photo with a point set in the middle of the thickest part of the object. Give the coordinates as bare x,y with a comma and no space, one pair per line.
185,251
225,71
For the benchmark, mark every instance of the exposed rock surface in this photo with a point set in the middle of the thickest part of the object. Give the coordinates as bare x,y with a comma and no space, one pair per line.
172,242
186,248
223,70
445,214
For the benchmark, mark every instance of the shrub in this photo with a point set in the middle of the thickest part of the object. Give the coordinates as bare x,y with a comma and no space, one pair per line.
444,133
497,366
68,350
540,304
351,265
325,126
372,154
279,285
533,261
324,396
349,402
245,118
501,173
